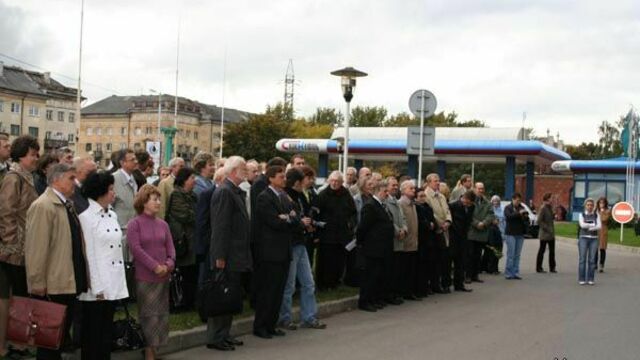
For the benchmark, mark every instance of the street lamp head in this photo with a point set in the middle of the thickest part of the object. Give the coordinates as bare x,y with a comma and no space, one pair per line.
348,82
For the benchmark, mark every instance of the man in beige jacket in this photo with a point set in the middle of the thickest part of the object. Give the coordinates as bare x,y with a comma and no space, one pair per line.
442,215
165,187
54,247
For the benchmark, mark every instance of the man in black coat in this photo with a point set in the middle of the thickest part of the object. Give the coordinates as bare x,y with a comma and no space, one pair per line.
229,248
375,235
275,220
427,272
203,232
461,214
338,211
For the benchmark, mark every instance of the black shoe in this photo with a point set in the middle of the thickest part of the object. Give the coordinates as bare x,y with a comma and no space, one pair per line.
262,334
477,280
463,289
555,272
368,307
221,346
234,342
394,301
430,292
446,290
541,271
411,298
276,332
517,277
437,290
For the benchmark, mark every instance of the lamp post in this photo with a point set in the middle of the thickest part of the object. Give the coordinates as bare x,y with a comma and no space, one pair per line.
348,77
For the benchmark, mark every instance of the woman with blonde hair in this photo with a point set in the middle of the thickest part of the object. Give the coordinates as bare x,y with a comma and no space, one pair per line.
590,224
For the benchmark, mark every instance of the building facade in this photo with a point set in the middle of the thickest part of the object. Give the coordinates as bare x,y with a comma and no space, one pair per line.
119,122
34,103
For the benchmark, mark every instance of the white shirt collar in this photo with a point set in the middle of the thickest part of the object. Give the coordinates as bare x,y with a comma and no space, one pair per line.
377,199
96,208
275,191
62,197
127,176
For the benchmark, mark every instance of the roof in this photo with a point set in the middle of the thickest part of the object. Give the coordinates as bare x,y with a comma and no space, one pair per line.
33,83
122,105
442,133
613,165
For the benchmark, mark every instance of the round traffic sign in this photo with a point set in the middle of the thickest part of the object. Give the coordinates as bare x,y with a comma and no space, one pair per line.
622,212
423,101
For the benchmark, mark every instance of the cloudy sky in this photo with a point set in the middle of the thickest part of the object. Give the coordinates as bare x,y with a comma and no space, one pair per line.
569,64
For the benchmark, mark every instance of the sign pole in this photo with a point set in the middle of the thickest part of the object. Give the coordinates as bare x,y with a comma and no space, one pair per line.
621,232
422,109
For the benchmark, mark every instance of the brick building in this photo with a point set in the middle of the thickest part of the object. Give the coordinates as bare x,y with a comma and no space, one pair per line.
559,185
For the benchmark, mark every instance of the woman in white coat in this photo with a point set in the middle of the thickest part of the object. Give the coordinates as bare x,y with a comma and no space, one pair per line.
103,246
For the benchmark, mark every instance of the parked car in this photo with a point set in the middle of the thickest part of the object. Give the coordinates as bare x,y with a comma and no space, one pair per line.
534,228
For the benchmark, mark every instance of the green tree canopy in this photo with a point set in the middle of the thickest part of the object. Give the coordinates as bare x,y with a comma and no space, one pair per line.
368,116
326,116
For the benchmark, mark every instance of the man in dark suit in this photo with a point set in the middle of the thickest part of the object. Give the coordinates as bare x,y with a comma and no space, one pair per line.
229,248
274,220
203,232
375,234
84,166
461,215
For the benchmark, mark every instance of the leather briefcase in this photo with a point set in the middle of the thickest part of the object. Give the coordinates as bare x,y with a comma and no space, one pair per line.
218,296
36,322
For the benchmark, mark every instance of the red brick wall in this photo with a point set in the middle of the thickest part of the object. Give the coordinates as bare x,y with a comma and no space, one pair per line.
559,185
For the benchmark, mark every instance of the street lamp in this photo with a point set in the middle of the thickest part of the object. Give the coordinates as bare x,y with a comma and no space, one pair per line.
348,77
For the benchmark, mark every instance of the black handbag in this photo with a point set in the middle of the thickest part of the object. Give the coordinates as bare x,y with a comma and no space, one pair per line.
127,333
219,296
176,291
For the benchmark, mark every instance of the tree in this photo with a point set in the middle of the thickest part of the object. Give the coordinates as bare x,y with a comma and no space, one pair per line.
326,116
281,112
609,141
471,123
368,116
584,151
402,119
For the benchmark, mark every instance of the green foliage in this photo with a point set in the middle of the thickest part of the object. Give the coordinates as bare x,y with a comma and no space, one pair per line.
368,116
326,116
402,119
609,144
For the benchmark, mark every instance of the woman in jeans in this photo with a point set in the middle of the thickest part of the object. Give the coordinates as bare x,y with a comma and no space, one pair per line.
103,247
516,226
151,244
589,221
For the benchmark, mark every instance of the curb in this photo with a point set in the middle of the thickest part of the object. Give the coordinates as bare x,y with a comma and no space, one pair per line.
615,247
186,339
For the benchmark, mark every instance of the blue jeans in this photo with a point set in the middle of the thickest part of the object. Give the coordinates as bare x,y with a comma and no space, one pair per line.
588,249
300,269
514,248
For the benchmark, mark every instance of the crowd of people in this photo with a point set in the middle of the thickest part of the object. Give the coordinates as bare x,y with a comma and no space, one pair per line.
70,231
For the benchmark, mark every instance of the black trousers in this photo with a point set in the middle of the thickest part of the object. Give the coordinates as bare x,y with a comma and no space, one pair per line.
490,261
440,267
372,287
602,257
97,322
311,251
271,282
474,258
218,327
457,259
552,254
421,280
405,272
69,300
353,270
330,266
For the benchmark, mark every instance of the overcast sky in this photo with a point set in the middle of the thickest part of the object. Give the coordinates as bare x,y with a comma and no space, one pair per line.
568,64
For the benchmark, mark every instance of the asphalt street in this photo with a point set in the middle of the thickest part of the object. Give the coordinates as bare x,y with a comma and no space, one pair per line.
543,316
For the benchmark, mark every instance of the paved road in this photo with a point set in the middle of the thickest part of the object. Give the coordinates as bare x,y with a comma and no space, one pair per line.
545,316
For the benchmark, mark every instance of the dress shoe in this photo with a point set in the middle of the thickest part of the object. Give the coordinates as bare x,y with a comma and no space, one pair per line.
446,291
277,332
517,277
233,341
262,334
541,271
411,298
477,280
437,291
430,292
463,289
555,272
368,307
221,346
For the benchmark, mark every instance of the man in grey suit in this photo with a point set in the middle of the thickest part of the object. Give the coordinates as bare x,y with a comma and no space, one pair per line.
229,250
125,188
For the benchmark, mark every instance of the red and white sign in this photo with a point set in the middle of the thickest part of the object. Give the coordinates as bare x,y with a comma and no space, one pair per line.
622,212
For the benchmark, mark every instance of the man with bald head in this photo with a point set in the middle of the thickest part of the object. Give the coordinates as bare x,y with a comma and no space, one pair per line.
478,233
84,166
363,173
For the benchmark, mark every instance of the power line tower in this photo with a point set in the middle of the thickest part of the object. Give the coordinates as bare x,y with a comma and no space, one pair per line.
289,84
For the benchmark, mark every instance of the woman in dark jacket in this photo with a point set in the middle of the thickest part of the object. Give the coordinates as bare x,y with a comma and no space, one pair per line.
40,175
181,217
516,227
338,211
547,234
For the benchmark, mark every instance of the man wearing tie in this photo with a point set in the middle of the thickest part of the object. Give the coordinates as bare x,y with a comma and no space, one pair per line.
126,188
275,220
375,234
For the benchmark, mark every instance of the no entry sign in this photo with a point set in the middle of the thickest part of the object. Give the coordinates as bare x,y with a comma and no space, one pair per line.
622,212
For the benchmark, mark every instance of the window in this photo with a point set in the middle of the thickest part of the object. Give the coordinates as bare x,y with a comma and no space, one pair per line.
123,131
123,146
87,147
98,131
60,115
580,189
147,130
109,131
137,131
98,147
596,189
47,135
136,146
15,107
195,135
108,146
50,115
15,130
34,111
33,131
71,138
615,192
188,133
1,105
89,131
72,117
